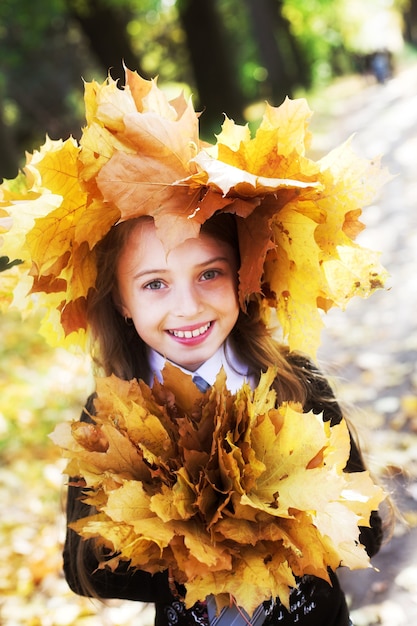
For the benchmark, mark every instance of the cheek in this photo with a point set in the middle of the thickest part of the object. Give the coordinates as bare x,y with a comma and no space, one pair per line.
143,326
134,301
232,296
228,302
236,313
148,315
141,314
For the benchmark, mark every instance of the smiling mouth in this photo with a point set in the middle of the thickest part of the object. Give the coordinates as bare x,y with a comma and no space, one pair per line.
189,334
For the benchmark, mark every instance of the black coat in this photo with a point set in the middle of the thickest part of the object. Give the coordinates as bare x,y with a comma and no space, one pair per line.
314,602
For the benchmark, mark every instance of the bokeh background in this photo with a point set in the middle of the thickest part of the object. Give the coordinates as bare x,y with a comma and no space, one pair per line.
356,63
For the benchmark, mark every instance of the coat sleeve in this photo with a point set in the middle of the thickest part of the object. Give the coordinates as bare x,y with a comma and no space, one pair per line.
81,564
321,399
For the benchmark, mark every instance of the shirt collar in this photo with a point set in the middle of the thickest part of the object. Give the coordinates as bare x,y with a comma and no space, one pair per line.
236,371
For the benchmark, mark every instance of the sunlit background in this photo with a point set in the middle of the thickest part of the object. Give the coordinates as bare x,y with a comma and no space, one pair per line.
356,62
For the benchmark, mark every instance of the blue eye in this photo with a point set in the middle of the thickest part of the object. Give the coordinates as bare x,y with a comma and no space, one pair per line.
154,284
209,274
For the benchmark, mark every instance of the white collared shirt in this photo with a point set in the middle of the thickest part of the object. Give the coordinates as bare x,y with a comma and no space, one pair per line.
236,371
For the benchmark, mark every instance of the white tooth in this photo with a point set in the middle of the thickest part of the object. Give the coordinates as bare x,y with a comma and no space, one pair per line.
188,333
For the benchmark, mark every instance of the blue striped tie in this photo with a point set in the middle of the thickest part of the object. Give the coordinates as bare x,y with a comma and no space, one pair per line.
232,616
201,384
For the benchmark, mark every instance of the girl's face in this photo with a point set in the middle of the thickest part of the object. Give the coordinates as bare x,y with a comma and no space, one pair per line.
183,304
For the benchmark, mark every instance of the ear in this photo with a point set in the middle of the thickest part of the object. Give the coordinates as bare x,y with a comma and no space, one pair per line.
124,311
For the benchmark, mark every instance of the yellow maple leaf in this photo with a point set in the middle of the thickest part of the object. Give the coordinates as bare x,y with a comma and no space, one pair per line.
229,178
307,550
356,267
291,119
149,143
247,583
109,535
121,458
146,430
23,205
178,502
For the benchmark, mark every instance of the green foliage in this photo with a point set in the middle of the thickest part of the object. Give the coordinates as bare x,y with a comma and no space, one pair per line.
41,90
46,54
235,18
316,25
159,41
333,33
25,25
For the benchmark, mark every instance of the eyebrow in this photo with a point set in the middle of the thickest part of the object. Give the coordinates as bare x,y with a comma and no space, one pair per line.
165,270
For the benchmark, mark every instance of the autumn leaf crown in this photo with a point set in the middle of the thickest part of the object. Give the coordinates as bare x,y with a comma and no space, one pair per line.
140,154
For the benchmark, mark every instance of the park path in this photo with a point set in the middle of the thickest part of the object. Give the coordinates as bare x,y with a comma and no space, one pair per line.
371,348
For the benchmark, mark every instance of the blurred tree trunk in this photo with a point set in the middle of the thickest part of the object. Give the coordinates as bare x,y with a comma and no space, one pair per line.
8,154
212,63
410,19
105,27
278,49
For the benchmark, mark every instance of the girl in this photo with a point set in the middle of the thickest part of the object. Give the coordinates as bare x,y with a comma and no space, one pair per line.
108,232
183,306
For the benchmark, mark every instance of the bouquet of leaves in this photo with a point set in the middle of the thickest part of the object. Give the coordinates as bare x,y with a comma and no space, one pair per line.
235,496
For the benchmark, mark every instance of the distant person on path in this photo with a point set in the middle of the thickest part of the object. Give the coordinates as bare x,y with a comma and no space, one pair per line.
380,65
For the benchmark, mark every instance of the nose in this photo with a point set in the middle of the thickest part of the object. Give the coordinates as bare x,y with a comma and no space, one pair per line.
187,301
